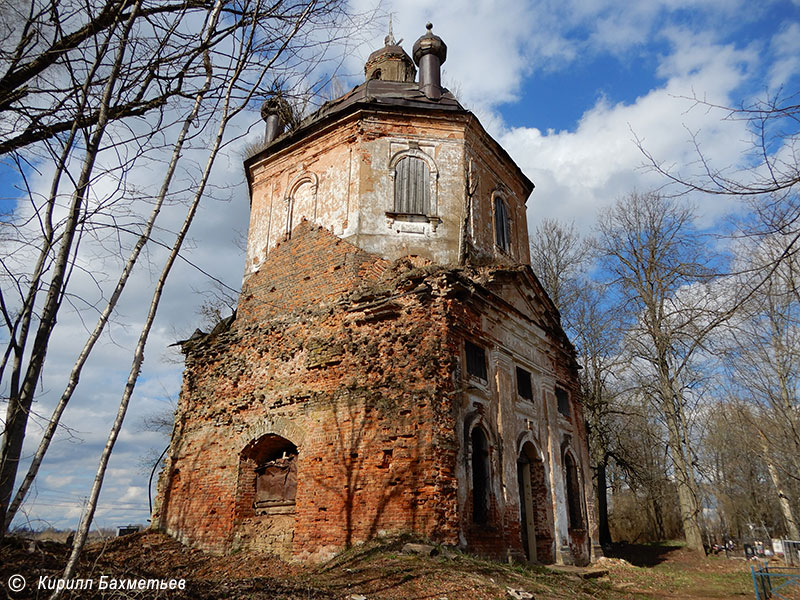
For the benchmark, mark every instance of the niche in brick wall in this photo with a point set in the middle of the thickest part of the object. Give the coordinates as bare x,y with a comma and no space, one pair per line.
267,477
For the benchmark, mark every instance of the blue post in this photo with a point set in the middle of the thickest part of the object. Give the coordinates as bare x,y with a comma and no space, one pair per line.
766,582
755,583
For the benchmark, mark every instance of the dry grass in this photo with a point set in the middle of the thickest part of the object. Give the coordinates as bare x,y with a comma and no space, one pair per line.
380,571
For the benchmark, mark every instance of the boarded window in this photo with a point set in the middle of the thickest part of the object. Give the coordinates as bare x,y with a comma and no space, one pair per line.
573,493
267,474
476,360
480,476
412,186
276,481
563,401
502,230
524,388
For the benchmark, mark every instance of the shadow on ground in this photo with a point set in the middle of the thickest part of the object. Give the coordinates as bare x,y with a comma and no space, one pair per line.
645,555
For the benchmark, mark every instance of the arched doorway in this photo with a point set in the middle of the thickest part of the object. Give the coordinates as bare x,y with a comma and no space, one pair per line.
267,477
266,495
574,495
535,530
480,476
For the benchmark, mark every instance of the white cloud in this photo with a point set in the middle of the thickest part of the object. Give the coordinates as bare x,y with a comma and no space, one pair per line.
786,47
578,172
133,494
57,481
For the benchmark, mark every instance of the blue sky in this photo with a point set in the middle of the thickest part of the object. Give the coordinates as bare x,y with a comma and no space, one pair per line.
557,98
566,86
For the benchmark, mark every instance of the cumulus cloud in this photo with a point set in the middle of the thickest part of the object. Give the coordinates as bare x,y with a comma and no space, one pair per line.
580,171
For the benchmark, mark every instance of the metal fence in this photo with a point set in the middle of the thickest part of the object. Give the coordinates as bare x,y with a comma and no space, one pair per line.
782,583
791,552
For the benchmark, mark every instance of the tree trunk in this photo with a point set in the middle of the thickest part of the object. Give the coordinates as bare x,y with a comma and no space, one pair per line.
602,503
684,478
21,395
783,499
77,367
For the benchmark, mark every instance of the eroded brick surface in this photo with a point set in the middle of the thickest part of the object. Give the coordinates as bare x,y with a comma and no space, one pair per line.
365,377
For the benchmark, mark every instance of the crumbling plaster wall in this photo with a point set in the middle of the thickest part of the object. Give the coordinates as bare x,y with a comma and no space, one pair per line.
341,178
490,172
387,137
321,172
527,336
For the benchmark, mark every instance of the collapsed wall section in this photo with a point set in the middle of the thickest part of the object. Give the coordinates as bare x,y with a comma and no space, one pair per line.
348,400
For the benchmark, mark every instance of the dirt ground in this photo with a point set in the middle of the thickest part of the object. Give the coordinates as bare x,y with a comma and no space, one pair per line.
372,572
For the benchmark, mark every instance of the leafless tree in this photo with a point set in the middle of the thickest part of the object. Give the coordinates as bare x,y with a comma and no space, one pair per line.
247,50
558,257
763,358
770,178
91,89
738,471
660,268
597,333
644,498
760,360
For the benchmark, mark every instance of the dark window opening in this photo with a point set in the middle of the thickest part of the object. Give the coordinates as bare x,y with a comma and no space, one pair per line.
480,477
502,231
563,401
573,493
524,387
376,74
476,360
412,186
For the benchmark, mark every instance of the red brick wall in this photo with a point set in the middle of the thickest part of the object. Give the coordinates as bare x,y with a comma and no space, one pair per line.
356,361
543,519
368,384
312,267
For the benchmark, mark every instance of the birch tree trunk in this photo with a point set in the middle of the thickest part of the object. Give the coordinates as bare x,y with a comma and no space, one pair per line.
243,54
21,397
102,321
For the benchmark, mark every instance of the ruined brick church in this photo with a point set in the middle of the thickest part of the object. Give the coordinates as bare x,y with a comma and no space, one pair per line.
394,365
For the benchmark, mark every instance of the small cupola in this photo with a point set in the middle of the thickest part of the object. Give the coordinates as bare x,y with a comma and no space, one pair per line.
390,63
276,113
430,52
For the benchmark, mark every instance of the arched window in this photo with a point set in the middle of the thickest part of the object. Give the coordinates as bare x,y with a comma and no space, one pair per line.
480,476
573,493
272,460
412,195
502,229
